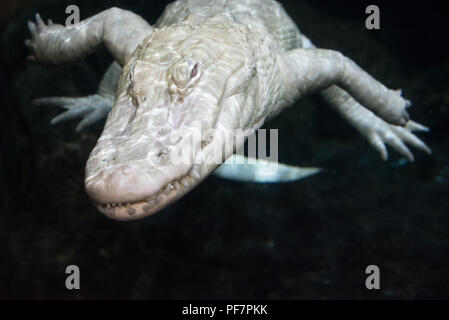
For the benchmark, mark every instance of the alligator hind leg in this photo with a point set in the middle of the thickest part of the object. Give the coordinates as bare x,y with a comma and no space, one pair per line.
377,131
91,108
310,70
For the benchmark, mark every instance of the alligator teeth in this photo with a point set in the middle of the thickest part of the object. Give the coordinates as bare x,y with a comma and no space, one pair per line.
185,181
113,205
168,188
194,173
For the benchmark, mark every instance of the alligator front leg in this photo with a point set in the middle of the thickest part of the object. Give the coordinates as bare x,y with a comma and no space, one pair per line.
311,70
91,108
119,30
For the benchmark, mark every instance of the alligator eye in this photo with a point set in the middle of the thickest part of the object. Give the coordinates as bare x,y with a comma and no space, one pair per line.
194,71
185,75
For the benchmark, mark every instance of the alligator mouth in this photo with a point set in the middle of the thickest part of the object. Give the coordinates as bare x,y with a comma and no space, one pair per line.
152,204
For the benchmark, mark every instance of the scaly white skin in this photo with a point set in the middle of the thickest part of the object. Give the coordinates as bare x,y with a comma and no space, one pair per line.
181,81
209,65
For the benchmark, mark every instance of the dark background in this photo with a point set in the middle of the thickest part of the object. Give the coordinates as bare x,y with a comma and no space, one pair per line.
307,239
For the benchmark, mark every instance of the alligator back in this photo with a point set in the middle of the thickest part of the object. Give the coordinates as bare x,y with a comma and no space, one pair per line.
266,14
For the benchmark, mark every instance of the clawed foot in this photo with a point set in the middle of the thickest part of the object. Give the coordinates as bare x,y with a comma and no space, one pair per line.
39,31
381,133
91,108
395,108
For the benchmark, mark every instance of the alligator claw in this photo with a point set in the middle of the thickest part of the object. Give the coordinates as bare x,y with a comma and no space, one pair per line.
397,137
90,108
39,32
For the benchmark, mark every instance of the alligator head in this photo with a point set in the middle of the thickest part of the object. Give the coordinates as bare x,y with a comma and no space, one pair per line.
181,83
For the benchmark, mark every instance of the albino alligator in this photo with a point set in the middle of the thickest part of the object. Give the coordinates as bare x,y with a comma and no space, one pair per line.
223,64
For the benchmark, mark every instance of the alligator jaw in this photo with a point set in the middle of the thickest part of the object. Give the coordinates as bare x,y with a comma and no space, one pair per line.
153,203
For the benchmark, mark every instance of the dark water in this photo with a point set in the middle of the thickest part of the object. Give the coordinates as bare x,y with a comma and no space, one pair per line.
307,239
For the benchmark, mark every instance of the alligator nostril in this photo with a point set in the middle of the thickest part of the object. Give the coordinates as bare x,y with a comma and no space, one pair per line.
163,153
204,143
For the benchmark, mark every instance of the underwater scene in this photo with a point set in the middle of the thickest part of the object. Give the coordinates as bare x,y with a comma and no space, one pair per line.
93,209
